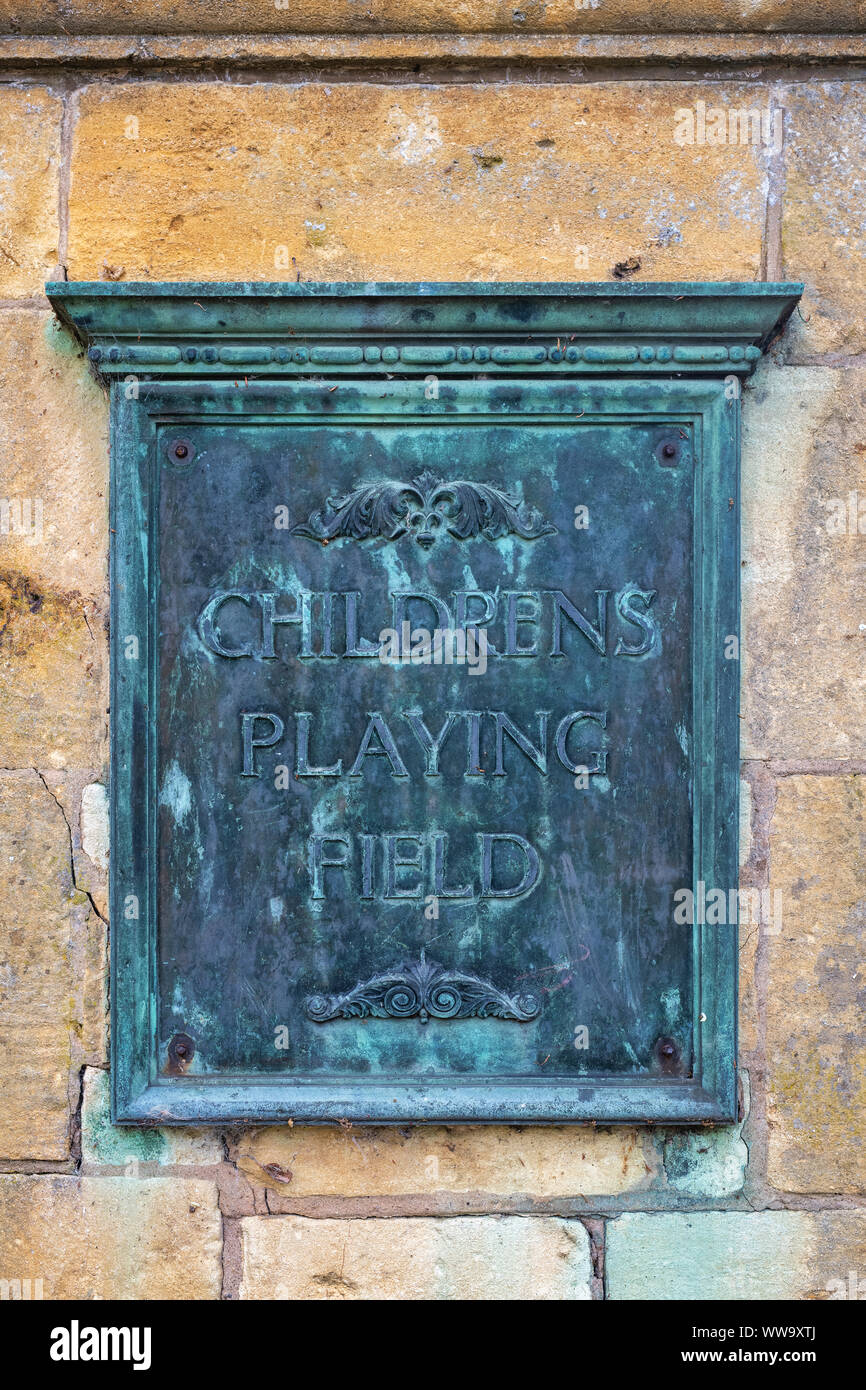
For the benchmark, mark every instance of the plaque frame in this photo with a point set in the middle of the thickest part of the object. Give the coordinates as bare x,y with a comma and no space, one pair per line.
175,352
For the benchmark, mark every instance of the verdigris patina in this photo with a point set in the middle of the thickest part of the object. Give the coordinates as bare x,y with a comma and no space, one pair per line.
424,704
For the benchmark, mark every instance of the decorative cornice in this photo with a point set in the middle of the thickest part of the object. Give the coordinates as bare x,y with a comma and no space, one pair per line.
140,52
422,989
302,330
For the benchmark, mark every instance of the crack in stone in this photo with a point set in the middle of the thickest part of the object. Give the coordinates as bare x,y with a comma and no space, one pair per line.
78,889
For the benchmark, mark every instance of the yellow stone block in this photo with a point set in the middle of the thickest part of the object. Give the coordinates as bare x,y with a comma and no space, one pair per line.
823,229
49,938
803,549
109,1238
816,1055
427,16
29,178
544,1162
468,1258
362,182
53,677
53,460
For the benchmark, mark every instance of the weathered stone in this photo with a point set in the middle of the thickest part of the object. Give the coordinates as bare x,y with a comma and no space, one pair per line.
465,1258
748,1002
823,223
68,789
359,181
747,933
840,1255
803,567
53,678
554,1162
121,1146
745,829
54,447
424,53
53,545
90,847
816,1054
709,1162
112,1237
94,823
742,1255
29,175
425,16
49,937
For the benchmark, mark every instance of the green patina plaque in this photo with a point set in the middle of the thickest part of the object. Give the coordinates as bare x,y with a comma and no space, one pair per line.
424,697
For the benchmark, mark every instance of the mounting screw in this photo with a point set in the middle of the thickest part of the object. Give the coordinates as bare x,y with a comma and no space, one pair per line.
181,1051
668,452
181,451
668,1054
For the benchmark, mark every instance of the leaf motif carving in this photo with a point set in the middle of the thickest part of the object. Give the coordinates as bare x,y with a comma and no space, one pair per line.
477,509
426,507
422,989
377,509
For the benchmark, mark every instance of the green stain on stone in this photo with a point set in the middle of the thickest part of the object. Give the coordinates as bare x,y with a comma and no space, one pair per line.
105,1143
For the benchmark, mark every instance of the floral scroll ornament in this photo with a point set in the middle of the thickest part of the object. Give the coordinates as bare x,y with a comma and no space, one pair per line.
424,508
422,989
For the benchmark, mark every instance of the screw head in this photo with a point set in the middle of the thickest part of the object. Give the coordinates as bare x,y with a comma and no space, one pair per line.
181,1051
181,451
668,1055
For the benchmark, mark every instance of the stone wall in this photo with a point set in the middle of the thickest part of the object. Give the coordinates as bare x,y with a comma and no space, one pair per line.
142,141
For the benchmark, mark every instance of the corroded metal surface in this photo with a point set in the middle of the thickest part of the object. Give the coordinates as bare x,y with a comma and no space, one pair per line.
429,715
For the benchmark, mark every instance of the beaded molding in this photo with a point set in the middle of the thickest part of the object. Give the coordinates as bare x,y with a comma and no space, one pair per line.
418,356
